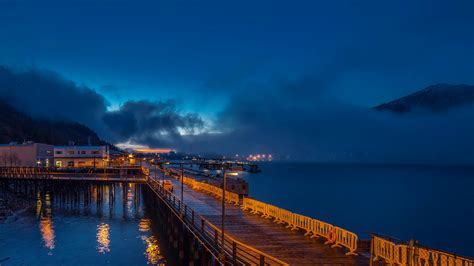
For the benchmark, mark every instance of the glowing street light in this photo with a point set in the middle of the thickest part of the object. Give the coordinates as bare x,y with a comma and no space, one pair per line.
224,188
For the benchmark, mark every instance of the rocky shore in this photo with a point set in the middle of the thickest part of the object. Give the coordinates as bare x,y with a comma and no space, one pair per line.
10,203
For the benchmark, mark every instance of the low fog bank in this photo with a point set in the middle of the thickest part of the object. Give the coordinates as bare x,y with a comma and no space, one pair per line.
297,120
319,128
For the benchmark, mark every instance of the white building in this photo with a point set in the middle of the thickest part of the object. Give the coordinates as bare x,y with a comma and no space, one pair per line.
80,156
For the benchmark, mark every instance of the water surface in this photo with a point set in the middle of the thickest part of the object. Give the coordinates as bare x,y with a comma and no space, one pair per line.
434,205
82,225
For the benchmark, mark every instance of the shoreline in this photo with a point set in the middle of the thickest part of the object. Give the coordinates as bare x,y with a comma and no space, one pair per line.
13,205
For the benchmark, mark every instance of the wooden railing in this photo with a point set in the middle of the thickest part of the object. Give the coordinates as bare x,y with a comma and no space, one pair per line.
235,252
38,172
334,235
396,252
25,172
210,189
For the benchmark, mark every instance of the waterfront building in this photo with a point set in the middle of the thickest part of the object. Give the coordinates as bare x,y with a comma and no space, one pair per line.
80,156
26,154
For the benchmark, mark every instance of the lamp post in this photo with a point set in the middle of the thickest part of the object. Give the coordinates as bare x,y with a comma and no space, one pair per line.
224,188
224,181
163,178
182,187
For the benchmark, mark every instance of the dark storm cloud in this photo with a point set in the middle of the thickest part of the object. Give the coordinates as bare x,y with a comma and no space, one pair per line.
298,118
320,128
145,121
45,94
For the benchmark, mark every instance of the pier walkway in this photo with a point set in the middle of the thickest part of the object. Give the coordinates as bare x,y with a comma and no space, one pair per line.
271,238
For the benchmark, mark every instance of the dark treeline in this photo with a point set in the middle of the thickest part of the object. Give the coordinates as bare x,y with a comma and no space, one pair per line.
18,127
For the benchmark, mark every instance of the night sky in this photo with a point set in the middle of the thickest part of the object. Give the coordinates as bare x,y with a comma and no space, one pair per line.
292,78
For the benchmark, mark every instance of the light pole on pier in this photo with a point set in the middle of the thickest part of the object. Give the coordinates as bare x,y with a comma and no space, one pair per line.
182,188
224,188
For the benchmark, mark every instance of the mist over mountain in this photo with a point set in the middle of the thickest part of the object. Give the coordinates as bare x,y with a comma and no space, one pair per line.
44,94
296,119
18,127
436,98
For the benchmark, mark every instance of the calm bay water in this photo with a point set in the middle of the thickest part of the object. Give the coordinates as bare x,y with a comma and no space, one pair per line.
109,224
434,205
88,225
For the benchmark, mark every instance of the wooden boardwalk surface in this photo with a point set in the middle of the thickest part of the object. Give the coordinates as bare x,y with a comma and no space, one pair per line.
265,235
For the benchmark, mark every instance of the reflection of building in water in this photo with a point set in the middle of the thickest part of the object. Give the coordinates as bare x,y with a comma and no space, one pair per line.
46,224
152,250
131,200
103,238
144,225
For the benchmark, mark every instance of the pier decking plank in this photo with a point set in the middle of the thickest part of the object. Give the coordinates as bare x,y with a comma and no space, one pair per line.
265,235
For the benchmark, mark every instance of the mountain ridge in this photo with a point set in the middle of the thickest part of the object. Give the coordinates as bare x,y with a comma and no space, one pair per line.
436,98
16,126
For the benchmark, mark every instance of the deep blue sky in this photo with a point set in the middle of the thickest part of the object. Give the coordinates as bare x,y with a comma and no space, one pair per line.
173,49
204,54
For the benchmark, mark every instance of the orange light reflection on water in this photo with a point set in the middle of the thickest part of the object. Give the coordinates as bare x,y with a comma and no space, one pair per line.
47,233
152,250
103,238
46,223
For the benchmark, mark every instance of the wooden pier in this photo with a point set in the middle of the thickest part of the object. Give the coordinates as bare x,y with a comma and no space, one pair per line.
135,174
268,237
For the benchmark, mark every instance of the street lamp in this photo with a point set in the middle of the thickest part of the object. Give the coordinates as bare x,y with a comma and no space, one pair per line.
224,188
182,188
163,178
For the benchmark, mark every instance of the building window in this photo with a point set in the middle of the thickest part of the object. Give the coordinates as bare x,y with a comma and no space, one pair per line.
48,152
70,152
95,152
59,152
83,152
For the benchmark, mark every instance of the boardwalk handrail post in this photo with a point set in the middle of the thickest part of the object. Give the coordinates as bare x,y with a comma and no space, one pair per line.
371,261
410,252
234,252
